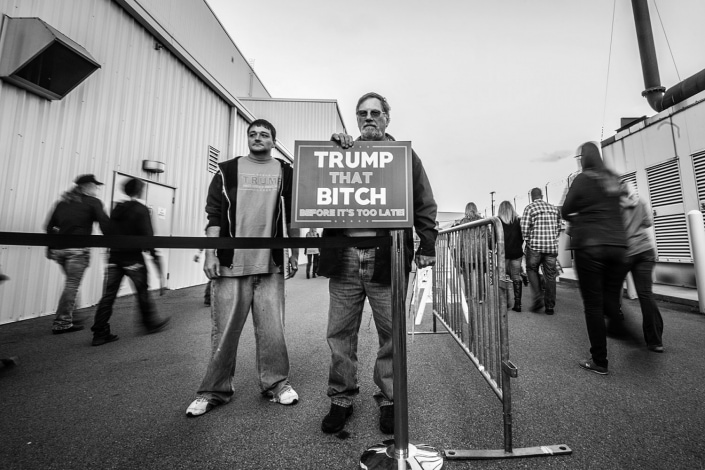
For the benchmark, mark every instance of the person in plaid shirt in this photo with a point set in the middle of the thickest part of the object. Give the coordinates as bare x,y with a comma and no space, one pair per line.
540,227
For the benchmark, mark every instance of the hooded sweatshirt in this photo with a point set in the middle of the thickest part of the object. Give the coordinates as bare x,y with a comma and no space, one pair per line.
637,220
130,218
592,204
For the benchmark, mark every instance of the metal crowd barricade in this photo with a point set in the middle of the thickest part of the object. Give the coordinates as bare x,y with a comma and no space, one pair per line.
470,300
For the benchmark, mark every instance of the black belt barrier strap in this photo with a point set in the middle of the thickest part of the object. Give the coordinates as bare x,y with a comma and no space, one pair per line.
130,242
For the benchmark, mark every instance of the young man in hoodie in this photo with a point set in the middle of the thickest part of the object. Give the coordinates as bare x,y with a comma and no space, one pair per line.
249,197
128,218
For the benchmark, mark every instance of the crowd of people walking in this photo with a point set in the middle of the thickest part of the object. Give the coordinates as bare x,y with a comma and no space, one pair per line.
609,237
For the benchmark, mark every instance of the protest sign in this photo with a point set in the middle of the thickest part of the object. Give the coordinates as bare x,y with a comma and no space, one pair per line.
365,186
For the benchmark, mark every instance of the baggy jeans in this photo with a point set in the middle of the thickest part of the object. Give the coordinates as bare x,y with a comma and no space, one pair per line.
137,273
73,262
232,299
348,291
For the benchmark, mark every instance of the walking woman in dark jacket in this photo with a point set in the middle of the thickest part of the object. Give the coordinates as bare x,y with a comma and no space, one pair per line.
599,243
513,248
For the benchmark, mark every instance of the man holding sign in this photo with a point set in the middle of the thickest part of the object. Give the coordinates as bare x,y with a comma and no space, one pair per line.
359,273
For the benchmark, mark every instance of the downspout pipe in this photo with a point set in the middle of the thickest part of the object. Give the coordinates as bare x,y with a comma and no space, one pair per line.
657,96
653,91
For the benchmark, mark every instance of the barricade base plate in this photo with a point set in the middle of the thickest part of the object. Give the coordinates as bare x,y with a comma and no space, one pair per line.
382,456
483,454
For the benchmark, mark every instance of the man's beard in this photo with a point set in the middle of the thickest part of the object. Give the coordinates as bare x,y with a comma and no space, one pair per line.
371,133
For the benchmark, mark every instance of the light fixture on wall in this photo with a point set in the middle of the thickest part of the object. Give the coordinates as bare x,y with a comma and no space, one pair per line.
152,166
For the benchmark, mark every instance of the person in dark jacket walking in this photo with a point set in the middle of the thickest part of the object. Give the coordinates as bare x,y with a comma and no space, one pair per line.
128,218
599,243
359,273
74,214
513,248
249,197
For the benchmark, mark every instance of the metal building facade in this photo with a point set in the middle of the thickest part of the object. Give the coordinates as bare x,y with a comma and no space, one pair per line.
664,156
146,102
299,119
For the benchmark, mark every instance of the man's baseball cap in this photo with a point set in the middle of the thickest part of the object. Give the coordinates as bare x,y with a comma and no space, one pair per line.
83,179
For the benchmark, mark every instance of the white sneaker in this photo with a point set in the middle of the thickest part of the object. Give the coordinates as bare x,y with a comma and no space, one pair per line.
199,407
286,396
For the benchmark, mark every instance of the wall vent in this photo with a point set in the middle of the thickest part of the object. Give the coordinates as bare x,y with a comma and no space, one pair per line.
664,183
672,238
213,154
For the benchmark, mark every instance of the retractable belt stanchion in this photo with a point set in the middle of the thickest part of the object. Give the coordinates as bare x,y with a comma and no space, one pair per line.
398,453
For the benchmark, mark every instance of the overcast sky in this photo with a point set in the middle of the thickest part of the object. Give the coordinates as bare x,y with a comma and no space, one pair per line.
494,95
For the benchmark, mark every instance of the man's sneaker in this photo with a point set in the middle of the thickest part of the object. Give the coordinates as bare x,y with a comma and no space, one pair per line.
386,419
101,340
286,396
655,348
67,330
550,311
588,364
336,418
199,406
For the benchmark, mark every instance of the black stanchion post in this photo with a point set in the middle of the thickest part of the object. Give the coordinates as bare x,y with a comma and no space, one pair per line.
398,453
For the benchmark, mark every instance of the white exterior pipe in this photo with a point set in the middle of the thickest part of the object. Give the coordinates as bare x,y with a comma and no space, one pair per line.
696,235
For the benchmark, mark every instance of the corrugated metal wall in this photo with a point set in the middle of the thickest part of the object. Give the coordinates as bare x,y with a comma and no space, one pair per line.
142,104
298,119
208,43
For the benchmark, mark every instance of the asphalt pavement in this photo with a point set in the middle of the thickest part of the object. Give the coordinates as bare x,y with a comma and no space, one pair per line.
68,405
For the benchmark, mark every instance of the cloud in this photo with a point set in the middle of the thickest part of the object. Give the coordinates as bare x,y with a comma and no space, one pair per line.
554,156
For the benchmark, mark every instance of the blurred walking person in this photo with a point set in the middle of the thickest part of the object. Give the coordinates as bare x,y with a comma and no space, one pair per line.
640,261
129,218
513,249
74,214
592,206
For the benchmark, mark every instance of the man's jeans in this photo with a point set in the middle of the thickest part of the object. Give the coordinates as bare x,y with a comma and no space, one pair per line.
232,298
347,298
641,266
137,273
73,262
601,271
547,261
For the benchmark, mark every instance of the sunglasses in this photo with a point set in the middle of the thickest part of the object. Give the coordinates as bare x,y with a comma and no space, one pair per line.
374,113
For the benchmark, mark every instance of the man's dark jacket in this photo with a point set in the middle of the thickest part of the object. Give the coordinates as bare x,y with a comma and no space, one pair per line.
221,206
130,218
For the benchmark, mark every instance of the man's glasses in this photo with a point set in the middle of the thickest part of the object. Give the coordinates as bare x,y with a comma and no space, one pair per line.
375,113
